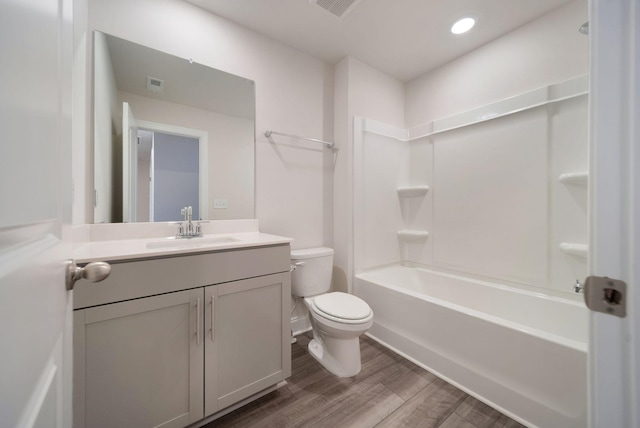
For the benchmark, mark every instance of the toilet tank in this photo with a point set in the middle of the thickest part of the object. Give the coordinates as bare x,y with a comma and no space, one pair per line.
312,275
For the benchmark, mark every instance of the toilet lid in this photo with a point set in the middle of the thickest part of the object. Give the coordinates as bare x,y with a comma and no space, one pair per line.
342,305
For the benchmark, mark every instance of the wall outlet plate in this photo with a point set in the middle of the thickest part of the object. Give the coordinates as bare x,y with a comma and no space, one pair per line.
220,204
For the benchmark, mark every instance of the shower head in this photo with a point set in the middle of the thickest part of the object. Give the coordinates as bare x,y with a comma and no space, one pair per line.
584,28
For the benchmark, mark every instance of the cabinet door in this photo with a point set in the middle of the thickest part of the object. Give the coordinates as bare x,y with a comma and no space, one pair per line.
139,363
248,347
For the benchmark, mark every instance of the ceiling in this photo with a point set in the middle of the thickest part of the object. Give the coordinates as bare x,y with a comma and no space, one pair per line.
403,38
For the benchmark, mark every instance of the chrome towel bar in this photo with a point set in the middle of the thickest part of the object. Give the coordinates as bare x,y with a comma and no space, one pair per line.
268,134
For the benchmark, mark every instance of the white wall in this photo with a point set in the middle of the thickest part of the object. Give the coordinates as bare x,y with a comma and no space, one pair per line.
360,91
547,50
294,94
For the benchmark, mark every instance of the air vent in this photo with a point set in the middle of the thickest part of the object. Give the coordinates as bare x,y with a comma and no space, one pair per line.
339,8
155,85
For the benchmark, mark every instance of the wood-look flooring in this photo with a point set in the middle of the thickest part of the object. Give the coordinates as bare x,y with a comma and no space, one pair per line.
390,391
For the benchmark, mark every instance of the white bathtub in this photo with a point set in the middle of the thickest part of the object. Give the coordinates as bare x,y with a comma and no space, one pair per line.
522,353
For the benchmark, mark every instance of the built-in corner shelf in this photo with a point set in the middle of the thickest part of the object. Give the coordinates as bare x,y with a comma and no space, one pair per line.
574,178
575,249
413,191
413,235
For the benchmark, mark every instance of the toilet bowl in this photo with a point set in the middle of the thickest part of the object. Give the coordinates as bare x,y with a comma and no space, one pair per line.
337,319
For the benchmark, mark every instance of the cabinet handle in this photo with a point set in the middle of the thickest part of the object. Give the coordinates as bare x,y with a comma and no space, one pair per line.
213,306
198,321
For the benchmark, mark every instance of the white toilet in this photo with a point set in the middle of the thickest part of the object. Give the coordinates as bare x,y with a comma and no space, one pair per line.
337,319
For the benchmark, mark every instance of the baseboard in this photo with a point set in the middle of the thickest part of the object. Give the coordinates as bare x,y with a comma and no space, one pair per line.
300,325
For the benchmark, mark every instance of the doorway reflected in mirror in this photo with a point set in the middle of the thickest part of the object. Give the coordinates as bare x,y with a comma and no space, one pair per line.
168,176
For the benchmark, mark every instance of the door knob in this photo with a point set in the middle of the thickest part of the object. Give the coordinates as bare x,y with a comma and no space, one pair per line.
93,272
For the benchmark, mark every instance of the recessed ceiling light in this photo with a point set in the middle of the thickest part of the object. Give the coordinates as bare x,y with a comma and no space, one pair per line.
463,25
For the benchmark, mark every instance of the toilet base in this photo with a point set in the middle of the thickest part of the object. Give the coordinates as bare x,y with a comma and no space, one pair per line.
339,356
316,350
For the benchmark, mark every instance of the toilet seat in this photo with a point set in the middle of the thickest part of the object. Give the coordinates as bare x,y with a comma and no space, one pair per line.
341,307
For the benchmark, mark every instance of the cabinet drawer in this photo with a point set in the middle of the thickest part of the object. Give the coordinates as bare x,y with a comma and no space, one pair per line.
141,278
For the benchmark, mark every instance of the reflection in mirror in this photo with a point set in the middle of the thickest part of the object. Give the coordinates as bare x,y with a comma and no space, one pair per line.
169,133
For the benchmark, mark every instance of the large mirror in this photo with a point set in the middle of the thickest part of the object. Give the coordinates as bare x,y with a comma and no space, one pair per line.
169,133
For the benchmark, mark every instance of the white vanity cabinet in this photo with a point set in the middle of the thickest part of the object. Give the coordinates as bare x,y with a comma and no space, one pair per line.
166,342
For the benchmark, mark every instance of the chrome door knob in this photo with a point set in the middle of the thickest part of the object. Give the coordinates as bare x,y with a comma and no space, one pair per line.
93,272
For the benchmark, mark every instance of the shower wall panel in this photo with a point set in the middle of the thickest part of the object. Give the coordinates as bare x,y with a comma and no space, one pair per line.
417,211
568,143
506,197
386,161
491,198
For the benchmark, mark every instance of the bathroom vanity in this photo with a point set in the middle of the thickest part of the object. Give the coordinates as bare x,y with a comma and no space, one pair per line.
180,331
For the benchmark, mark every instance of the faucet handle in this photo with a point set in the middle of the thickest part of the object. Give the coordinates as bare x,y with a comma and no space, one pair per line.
187,212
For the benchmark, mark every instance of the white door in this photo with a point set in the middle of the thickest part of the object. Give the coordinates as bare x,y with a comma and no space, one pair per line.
614,208
35,198
129,165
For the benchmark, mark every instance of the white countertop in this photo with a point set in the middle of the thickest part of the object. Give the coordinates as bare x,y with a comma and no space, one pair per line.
129,249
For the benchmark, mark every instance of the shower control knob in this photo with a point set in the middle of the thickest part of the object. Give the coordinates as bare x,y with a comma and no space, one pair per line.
93,272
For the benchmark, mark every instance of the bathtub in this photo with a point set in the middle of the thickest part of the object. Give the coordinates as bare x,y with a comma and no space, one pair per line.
521,352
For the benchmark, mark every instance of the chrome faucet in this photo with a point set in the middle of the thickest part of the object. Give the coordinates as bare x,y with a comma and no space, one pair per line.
188,229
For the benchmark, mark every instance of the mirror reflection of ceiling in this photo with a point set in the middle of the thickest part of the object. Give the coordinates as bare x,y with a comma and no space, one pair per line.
404,38
183,81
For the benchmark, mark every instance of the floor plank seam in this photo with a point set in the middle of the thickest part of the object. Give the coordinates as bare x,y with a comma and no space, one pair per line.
452,410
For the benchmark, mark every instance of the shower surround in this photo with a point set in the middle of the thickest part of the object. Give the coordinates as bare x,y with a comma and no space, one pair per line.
469,234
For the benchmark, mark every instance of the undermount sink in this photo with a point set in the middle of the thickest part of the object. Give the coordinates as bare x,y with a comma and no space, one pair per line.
191,242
